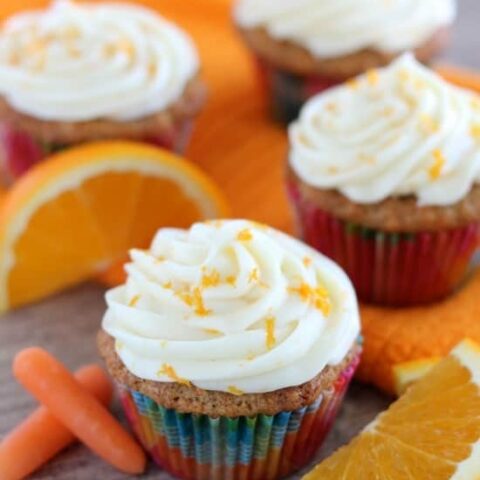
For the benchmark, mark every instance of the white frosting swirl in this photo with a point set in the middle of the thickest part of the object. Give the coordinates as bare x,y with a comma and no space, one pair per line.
231,306
398,131
78,62
332,28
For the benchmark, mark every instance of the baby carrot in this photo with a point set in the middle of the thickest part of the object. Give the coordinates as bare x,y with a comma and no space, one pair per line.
41,436
56,388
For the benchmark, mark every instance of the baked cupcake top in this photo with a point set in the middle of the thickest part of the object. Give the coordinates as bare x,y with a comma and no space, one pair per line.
80,62
231,306
333,28
399,131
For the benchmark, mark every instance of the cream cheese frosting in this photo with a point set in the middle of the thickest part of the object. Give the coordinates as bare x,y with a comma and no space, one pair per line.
332,28
79,62
399,131
231,306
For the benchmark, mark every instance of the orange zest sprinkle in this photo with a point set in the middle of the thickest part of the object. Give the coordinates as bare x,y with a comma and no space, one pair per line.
125,46
303,139
304,290
211,279
428,124
331,107
212,331
160,259
404,75
168,371
234,390
199,305
270,339
194,299
387,111
352,83
307,261
73,50
367,159
332,169
253,277
231,280
475,131
152,69
35,47
372,76
244,235
436,169
322,300
40,64
71,33
134,300
167,285
419,83
318,296
109,50
14,59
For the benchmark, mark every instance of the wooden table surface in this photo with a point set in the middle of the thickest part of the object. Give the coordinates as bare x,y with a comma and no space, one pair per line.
66,326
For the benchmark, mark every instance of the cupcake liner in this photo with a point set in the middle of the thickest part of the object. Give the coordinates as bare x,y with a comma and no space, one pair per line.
288,91
19,150
261,447
397,269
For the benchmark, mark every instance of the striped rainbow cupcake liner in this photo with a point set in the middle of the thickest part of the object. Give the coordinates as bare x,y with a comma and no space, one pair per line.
397,269
19,151
287,91
262,447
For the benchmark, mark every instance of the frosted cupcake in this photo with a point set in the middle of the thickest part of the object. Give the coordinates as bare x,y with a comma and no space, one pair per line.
383,174
233,345
306,46
80,72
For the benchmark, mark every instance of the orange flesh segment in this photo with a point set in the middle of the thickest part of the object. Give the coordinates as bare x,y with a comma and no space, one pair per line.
426,434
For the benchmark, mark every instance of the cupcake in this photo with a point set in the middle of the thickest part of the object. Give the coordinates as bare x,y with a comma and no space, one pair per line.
79,72
383,174
232,345
305,46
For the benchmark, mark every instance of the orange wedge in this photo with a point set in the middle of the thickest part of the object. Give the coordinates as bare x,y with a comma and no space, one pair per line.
431,433
406,373
76,213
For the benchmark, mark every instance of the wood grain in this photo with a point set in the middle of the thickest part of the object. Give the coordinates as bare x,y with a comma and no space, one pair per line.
66,325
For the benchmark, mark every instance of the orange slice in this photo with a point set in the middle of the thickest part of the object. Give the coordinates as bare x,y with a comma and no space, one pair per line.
407,373
431,433
79,211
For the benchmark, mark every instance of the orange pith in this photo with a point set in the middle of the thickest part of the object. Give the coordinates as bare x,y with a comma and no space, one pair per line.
432,432
83,209
406,373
